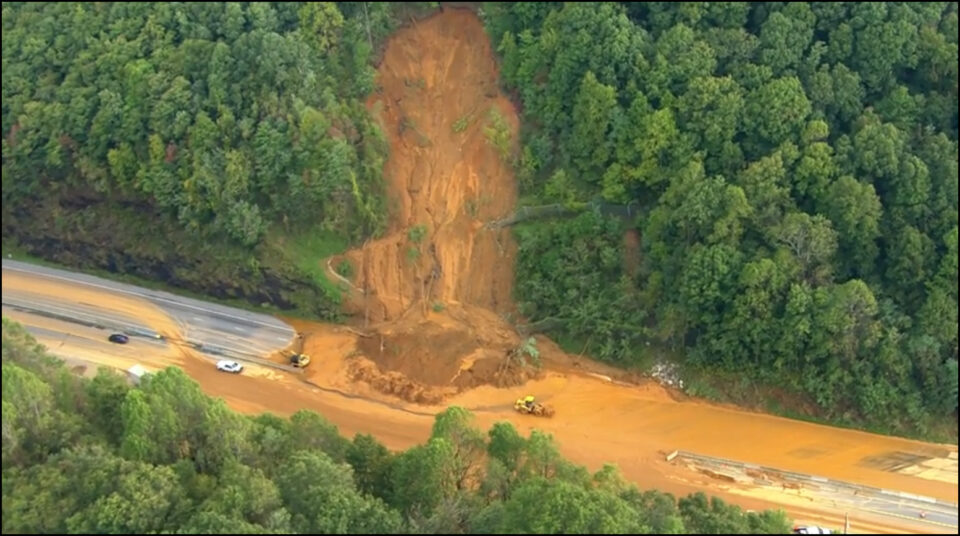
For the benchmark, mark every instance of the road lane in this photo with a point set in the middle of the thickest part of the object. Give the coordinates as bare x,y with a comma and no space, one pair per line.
211,328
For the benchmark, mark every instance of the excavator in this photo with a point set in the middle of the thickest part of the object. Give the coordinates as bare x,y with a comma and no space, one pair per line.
528,406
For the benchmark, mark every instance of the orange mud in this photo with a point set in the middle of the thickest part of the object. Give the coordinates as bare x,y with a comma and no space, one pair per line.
434,73
412,349
420,298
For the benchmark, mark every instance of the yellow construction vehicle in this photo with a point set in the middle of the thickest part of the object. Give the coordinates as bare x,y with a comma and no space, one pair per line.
299,360
529,406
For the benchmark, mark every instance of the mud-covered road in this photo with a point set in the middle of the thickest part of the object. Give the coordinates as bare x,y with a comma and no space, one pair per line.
597,422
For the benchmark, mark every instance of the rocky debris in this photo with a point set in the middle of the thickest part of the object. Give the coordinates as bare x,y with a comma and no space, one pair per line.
667,374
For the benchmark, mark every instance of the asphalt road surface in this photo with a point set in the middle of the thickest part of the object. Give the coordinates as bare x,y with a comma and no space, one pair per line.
210,328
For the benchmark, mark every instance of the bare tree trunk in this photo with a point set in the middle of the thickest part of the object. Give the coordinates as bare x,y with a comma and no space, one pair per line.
366,17
540,326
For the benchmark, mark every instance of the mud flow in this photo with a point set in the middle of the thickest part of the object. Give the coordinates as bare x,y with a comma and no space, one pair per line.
434,292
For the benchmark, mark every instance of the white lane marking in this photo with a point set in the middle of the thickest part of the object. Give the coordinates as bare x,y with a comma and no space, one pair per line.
88,315
145,296
242,347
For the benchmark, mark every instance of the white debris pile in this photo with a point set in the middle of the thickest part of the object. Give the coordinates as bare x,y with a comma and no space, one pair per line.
667,374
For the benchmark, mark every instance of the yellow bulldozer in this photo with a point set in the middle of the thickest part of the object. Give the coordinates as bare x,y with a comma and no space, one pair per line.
299,360
529,406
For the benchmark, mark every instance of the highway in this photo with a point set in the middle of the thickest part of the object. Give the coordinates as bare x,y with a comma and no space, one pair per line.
213,329
72,314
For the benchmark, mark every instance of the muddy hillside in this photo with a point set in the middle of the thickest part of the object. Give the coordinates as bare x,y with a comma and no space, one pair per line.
436,87
438,276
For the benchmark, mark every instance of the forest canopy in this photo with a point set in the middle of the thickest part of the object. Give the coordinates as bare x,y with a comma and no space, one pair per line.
795,169
227,117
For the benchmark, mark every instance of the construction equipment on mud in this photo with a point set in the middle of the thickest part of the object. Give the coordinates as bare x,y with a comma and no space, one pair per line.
528,406
299,360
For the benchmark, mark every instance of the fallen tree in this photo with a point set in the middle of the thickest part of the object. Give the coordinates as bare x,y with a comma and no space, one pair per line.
522,214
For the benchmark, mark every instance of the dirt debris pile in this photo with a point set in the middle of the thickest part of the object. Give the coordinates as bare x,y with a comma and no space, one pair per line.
412,351
394,383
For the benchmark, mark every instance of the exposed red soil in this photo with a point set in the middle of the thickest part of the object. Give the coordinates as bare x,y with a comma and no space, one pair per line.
434,306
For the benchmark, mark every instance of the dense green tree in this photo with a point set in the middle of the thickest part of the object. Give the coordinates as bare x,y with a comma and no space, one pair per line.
910,251
593,113
855,211
42,497
107,392
813,243
540,505
679,58
371,463
170,416
716,517
309,430
764,183
244,495
146,499
423,476
775,112
815,170
785,35
711,109
453,425
321,497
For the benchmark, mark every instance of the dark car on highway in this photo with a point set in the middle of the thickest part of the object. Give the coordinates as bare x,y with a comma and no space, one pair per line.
119,338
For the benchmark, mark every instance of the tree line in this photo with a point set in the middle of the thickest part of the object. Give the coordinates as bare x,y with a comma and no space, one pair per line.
97,455
795,165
